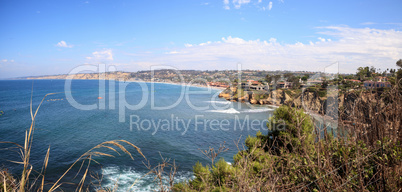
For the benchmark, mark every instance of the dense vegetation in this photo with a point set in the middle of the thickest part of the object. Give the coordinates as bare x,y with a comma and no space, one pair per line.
305,155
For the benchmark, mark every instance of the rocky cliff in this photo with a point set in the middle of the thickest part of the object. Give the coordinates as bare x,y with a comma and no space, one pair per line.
115,75
332,105
308,100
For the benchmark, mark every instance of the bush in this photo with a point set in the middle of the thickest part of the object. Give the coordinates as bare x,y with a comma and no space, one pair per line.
296,159
322,93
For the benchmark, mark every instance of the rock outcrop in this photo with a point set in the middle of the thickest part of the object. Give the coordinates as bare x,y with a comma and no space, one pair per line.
310,101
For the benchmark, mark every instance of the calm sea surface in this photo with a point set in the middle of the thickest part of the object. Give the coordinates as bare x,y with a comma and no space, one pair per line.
162,119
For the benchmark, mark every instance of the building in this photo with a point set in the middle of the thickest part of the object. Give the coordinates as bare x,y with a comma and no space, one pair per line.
381,79
373,84
353,80
254,85
218,84
285,85
253,82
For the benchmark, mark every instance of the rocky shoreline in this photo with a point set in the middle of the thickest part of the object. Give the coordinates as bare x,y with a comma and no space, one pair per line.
308,100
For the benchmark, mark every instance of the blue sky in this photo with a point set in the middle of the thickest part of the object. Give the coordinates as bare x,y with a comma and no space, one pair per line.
54,37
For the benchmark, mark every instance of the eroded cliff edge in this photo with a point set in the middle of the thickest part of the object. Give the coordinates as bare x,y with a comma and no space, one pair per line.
311,100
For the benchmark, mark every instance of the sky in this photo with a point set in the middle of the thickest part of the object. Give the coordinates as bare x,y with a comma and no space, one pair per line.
55,37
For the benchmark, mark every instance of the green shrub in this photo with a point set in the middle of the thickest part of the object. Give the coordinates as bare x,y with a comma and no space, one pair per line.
322,93
294,159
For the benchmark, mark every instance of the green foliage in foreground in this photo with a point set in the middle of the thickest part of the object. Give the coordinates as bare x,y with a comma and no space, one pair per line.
293,158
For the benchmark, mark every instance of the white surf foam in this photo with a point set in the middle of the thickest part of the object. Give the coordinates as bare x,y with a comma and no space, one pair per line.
124,178
219,102
230,111
259,110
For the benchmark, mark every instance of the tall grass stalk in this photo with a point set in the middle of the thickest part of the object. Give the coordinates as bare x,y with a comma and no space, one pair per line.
24,151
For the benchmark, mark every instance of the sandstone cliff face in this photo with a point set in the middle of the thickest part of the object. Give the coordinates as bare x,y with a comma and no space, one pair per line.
335,106
115,75
310,101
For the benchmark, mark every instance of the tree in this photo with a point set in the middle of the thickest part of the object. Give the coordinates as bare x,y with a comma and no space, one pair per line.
399,75
399,63
276,78
288,126
324,84
367,70
373,70
364,72
295,81
288,75
399,72
305,77
392,71
268,78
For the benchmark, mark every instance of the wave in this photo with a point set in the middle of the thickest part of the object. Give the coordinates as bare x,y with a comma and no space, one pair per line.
219,102
260,110
231,110
124,178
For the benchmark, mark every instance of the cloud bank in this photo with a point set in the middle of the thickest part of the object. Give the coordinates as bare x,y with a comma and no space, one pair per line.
352,47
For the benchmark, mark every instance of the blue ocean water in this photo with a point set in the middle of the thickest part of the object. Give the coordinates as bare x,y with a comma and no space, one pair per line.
170,120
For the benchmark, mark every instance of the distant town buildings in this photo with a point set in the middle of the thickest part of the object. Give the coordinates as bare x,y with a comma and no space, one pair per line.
352,80
378,84
285,85
218,84
254,85
314,82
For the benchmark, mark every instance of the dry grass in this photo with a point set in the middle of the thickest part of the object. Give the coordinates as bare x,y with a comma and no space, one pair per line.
365,156
28,182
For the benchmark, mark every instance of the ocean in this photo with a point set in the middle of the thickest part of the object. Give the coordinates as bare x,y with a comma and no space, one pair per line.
172,121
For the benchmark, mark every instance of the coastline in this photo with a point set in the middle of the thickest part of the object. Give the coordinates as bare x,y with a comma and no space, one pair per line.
170,83
181,84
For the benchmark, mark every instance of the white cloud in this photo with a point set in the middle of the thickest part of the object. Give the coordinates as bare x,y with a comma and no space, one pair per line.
268,7
202,44
7,61
235,40
102,55
238,3
367,23
352,47
63,44
226,4
173,52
